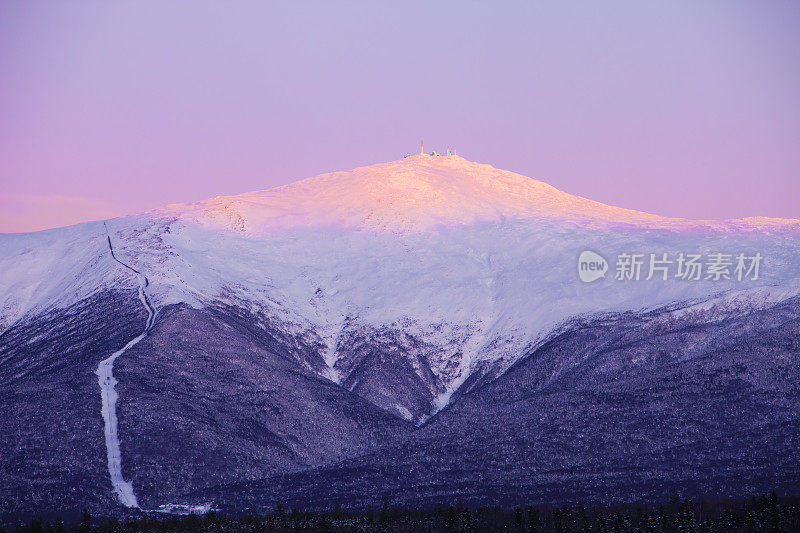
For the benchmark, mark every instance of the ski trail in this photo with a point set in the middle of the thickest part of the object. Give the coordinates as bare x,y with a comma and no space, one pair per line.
108,392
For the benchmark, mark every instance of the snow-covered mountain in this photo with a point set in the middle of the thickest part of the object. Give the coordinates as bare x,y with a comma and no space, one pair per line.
455,268
406,284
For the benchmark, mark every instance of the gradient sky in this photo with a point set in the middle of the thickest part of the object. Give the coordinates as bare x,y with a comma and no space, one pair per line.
687,109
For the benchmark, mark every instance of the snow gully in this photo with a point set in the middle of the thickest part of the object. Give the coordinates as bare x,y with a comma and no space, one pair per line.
105,377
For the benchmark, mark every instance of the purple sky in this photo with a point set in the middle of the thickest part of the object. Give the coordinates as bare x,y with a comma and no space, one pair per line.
677,108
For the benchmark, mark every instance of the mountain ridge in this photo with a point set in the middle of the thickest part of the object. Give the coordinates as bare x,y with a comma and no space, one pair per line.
424,192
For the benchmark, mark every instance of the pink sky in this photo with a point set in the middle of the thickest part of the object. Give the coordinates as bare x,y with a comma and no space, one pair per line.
681,109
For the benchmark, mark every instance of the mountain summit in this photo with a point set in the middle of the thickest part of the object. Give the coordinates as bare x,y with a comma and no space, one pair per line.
419,193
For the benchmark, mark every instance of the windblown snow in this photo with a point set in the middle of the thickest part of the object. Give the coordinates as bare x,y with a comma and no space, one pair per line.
476,265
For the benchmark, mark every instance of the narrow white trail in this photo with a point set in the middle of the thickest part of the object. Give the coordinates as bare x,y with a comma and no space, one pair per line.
105,377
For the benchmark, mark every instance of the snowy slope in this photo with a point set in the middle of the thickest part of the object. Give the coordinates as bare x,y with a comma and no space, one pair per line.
436,268
53,269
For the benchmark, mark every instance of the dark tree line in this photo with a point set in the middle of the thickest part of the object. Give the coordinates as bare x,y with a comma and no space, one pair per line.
765,513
